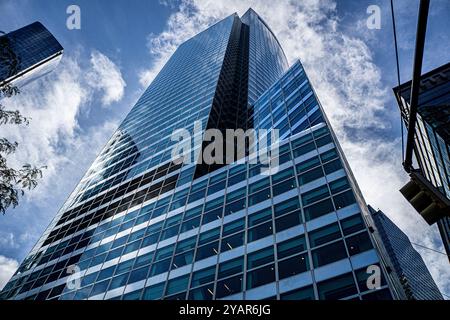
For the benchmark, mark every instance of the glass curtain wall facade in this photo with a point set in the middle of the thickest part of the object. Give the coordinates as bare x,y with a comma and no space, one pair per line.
432,134
140,227
28,53
408,264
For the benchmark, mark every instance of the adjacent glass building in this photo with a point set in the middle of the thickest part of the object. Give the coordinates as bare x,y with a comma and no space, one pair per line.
28,53
432,133
139,226
417,281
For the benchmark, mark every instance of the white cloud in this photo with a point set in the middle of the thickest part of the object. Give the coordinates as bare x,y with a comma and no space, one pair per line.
106,76
7,269
54,137
348,84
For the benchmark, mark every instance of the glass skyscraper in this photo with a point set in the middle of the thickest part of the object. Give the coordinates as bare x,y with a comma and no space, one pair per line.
28,53
432,134
417,281
141,226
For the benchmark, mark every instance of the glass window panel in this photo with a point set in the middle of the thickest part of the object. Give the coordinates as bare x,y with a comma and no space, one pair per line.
233,227
288,221
186,244
308,164
324,235
229,286
207,250
319,209
260,257
337,288
284,186
138,274
202,293
292,266
315,195
203,276
260,276
231,267
291,246
209,236
339,185
259,217
160,267
332,166
358,243
310,176
352,224
154,292
231,242
164,252
344,199
259,197
261,231
177,285
328,254
299,294
283,175
329,155
182,259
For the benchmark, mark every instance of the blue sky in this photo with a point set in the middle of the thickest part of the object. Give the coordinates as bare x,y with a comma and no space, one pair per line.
122,45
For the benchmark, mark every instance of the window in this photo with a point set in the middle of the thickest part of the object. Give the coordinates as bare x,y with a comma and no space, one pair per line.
337,288
118,281
260,257
287,221
209,236
202,293
233,227
185,245
299,294
329,155
286,206
291,246
260,276
293,266
177,285
332,166
164,252
259,232
154,292
232,242
260,217
283,175
319,209
352,224
324,235
259,197
229,286
182,259
143,260
160,267
315,195
190,224
203,276
231,267
339,185
328,254
308,164
344,199
358,243
138,275
207,250
283,187
304,149
310,176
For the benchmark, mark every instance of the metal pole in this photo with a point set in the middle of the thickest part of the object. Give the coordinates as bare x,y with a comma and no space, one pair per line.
415,83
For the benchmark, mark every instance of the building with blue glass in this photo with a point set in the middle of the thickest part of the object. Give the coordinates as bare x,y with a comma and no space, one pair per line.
27,54
141,226
417,281
432,135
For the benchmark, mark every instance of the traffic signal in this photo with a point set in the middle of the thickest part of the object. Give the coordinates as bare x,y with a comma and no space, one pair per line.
425,198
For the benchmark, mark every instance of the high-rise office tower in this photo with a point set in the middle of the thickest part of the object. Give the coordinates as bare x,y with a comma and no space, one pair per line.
417,281
432,137
141,226
28,53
